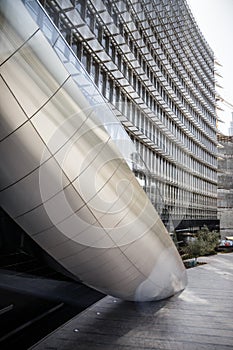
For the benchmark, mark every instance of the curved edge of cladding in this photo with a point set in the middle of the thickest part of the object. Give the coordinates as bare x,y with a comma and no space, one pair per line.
65,182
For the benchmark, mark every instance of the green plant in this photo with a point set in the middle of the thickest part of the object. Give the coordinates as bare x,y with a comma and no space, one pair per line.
193,249
204,243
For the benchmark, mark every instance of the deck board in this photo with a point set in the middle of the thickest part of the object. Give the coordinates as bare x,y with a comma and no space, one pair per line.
201,317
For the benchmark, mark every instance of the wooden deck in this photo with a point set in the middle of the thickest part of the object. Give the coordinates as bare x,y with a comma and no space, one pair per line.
199,318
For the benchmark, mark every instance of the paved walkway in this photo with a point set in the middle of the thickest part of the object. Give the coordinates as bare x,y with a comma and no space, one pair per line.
199,318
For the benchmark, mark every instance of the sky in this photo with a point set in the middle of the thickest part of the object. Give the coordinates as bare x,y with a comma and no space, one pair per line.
215,20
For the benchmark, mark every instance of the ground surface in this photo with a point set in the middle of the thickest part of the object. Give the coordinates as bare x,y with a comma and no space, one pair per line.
199,318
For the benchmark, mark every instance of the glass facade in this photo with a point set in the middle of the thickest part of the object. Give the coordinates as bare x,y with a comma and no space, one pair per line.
152,64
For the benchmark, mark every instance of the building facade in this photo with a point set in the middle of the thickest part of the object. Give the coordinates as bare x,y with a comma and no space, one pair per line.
231,126
153,65
225,185
65,176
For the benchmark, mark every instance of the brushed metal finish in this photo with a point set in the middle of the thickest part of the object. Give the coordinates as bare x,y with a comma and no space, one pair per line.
64,180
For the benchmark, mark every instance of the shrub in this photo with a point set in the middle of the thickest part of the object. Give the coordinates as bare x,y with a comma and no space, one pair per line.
204,243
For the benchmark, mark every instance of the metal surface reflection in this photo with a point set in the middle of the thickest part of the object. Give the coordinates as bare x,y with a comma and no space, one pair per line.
64,179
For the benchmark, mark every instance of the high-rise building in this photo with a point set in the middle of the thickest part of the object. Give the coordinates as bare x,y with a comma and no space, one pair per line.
151,62
225,185
231,126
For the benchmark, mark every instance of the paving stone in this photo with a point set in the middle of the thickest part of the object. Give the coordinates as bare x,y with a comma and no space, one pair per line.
199,318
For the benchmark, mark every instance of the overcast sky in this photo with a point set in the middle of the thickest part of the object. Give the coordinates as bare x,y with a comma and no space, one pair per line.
215,19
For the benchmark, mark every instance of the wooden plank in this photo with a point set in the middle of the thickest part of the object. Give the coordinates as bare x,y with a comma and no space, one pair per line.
198,318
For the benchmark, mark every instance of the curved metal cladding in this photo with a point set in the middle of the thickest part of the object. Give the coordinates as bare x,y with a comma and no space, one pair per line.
63,179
